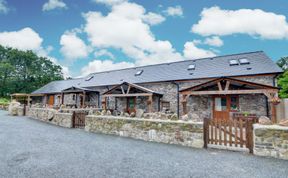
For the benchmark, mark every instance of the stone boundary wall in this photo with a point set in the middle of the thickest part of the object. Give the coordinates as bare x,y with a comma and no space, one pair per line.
71,110
51,116
271,141
165,131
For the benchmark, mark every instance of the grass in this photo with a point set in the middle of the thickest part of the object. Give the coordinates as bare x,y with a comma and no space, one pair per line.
4,101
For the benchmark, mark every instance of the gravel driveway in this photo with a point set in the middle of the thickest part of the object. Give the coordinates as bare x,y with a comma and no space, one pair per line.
30,148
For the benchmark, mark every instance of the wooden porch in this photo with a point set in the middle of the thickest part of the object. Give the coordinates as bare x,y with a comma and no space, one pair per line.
130,91
223,89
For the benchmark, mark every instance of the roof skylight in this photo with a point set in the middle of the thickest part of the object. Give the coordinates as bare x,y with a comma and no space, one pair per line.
139,72
244,61
89,78
192,67
233,62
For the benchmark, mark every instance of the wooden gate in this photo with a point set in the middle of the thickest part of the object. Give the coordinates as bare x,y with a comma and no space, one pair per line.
79,119
237,133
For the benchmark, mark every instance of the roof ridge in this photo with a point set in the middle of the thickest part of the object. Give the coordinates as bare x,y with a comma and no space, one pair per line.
166,63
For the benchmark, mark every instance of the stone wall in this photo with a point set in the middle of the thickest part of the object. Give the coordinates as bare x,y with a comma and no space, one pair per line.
198,106
271,141
51,116
164,131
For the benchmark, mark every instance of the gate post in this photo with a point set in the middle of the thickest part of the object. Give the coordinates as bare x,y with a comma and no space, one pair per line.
249,136
205,132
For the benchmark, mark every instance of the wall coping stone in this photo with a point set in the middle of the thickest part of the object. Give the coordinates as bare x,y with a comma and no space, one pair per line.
270,127
142,119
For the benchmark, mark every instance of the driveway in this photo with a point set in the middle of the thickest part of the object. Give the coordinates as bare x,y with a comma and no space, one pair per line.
30,148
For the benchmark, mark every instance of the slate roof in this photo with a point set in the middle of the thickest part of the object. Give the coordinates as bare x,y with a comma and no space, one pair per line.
213,67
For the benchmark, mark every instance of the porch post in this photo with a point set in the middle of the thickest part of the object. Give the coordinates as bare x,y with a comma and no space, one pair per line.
84,97
184,103
62,98
150,100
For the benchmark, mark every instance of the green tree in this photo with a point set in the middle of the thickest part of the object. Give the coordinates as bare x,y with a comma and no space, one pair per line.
283,83
24,71
283,78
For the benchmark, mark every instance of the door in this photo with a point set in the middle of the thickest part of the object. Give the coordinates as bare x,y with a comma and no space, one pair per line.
51,100
221,107
131,102
224,105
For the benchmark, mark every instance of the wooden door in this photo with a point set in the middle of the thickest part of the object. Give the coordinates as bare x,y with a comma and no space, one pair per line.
131,102
221,108
224,105
51,100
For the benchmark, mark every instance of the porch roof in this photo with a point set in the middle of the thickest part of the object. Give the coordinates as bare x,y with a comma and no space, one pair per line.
74,89
126,89
226,86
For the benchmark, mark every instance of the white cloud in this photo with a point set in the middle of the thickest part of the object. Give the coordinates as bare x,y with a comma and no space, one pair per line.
191,51
104,52
133,36
214,41
24,39
110,2
73,47
153,18
3,7
174,11
54,4
266,25
99,66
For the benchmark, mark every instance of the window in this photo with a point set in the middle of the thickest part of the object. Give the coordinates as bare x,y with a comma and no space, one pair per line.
220,104
139,72
89,78
234,103
74,97
165,105
233,62
244,61
191,67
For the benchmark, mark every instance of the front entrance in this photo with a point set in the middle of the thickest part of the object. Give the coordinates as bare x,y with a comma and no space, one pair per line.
232,133
224,105
51,100
131,103
79,119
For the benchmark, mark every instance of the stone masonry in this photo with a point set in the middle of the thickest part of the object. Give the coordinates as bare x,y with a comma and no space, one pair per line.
271,141
164,131
51,116
198,106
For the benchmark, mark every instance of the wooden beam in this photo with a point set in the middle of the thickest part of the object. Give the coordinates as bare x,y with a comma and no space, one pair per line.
127,95
230,92
62,98
219,86
122,89
128,90
227,85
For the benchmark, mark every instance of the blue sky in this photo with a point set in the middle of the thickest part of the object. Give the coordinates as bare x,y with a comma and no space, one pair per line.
86,36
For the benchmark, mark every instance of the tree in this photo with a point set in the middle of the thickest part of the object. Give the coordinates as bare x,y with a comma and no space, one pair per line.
283,78
283,83
24,71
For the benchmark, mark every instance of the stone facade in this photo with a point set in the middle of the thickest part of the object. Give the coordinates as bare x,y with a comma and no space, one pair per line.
198,106
51,116
271,141
164,131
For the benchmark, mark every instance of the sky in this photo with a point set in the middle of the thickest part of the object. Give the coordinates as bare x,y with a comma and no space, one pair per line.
85,36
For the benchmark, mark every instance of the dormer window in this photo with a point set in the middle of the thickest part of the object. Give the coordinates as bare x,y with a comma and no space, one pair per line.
89,78
233,62
191,67
244,61
139,72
